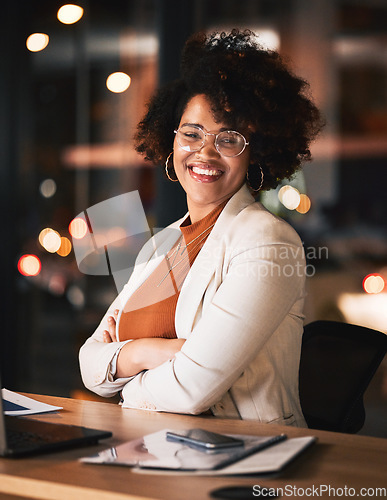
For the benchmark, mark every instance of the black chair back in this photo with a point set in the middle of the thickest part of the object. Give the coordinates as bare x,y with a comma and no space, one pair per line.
338,361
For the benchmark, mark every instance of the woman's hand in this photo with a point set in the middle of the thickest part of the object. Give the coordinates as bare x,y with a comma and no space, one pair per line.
110,335
145,354
140,354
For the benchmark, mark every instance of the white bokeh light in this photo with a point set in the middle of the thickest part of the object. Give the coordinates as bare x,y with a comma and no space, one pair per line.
37,42
118,82
69,13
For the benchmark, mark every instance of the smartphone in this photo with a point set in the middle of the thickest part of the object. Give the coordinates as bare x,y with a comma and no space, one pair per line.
204,439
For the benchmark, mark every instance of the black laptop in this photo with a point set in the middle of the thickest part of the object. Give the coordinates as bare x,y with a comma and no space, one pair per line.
21,436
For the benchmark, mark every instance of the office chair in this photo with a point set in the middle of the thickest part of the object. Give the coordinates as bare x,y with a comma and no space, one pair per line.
338,361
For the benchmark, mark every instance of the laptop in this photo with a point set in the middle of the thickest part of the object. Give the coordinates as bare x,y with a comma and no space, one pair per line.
20,436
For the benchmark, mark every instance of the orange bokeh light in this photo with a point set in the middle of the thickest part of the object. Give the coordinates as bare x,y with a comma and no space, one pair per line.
29,265
78,228
304,205
65,247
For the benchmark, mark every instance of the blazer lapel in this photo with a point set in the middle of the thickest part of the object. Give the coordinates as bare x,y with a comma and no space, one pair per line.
151,256
207,261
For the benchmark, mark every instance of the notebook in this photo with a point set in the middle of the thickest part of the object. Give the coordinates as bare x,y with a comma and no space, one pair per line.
154,454
155,451
20,436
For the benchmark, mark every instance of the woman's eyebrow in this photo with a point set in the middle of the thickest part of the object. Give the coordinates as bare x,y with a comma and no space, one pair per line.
192,125
223,129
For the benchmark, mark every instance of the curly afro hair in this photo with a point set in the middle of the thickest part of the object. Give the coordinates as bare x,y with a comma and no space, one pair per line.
247,86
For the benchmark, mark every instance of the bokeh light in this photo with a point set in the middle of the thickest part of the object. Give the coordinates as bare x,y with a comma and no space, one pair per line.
118,82
75,296
289,197
57,284
65,247
37,42
373,283
29,265
47,188
50,240
78,228
304,205
269,38
69,13
43,233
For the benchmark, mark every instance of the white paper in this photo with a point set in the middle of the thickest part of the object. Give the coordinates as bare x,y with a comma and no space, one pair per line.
153,453
268,461
23,405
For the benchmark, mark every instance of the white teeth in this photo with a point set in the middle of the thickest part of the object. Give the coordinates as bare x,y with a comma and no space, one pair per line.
204,171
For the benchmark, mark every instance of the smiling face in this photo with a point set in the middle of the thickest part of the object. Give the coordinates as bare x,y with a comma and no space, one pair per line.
207,177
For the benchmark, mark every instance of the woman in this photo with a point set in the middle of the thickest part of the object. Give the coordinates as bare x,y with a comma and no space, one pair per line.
211,318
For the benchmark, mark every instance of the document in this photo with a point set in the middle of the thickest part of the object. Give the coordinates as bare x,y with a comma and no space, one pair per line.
271,460
155,454
15,404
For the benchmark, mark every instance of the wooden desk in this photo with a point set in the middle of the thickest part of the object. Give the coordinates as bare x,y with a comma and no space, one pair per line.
337,460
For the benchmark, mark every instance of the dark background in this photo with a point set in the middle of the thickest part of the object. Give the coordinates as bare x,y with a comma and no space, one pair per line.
54,103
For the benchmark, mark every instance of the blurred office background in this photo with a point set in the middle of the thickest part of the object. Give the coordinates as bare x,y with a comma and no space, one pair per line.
65,142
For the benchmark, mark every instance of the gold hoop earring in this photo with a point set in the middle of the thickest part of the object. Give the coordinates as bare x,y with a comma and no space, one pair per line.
166,169
261,183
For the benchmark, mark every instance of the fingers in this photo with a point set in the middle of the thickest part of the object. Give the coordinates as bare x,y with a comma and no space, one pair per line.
106,337
112,328
110,334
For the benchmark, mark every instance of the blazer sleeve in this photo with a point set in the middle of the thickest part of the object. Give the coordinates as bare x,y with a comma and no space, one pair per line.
95,356
261,283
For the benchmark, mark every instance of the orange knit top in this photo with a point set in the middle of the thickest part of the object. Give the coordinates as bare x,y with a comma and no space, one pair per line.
150,310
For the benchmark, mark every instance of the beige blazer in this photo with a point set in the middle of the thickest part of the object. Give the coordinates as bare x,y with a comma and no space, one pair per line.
240,309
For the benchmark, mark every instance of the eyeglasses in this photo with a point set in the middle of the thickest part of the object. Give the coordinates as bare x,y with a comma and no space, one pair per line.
228,143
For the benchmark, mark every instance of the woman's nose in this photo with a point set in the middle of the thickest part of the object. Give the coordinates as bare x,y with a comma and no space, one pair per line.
208,149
